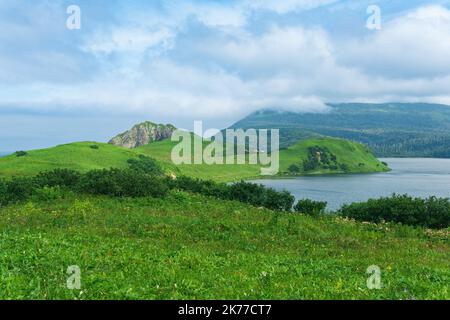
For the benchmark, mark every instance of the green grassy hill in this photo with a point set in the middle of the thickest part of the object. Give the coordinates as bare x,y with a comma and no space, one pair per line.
77,156
83,157
351,157
194,247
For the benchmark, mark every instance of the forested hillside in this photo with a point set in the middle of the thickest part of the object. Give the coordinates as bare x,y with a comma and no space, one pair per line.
395,129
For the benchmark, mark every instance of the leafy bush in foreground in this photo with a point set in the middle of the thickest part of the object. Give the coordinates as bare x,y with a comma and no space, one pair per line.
18,189
431,213
310,207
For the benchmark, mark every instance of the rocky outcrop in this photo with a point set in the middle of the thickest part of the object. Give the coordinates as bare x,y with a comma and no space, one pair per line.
142,134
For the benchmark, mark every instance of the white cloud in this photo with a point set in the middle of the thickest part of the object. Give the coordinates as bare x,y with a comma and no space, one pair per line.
237,71
413,45
129,40
285,6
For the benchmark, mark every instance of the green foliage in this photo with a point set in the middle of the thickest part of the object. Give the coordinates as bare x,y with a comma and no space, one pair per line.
58,177
258,195
16,190
344,167
310,207
251,193
48,193
431,213
94,146
122,183
294,169
146,165
21,153
321,158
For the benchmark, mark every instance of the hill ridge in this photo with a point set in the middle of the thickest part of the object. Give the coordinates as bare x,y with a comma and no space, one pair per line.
143,133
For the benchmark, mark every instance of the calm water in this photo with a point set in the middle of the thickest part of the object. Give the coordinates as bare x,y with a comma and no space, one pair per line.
416,177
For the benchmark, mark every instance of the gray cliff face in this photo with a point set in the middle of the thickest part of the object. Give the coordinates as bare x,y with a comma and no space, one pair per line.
142,134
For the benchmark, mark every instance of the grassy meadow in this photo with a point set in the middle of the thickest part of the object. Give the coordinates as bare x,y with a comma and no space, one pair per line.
193,247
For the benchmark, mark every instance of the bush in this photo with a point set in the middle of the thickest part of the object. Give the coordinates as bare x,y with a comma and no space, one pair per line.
281,201
146,165
122,183
431,213
310,207
251,193
15,190
21,153
205,187
48,193
58,177
293,168
3,192
94,146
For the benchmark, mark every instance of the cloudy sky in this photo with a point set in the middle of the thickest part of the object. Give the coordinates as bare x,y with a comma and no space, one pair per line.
183,60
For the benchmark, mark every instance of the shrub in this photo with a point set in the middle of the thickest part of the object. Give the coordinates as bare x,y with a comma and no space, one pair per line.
3,192
94,146
146,165
58,177
122,183
48,193
293,168
431,213
17,189
258,195
134,184
281,201
310,207
251,193
21,153
205,187
99,182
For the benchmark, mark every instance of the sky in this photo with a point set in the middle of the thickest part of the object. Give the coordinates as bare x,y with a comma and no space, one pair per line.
177,61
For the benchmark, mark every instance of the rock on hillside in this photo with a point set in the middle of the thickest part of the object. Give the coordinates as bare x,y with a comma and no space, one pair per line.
142,134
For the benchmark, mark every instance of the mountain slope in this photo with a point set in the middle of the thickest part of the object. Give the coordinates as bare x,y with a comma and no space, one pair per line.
394,129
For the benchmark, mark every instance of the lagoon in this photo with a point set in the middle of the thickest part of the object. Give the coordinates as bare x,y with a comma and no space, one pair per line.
418,177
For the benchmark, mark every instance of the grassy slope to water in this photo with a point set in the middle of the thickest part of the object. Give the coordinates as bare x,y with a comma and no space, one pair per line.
80,156
193,247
